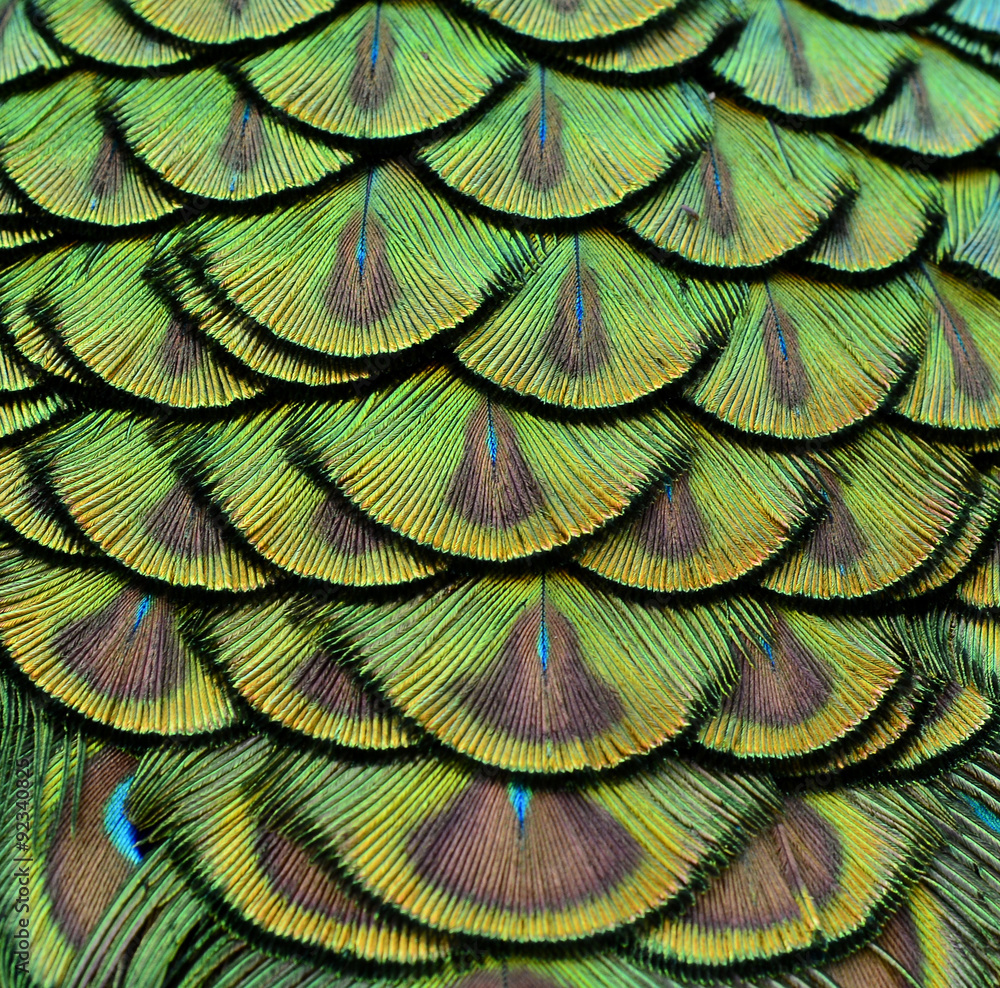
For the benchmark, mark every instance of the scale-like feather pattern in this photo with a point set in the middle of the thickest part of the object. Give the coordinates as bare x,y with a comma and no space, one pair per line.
101,305
816,875
540,674
248,341
349,286
945,107
254,153
287,669
126,493
221,21
30,510
666,44
108,649
492,481
549,20
972,220
253,465
957,385
955,555
729,509
891,498
66,158
808,358
803,682
755,192
478,854
383,71
802,62
509,487
230,825
560,146
99,29
591,351
887,221
23,50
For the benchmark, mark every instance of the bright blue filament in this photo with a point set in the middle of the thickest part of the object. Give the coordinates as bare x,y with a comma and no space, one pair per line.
579,287
520,797
491,435
768,651
378,20
542,123
362,252
119,828
141,611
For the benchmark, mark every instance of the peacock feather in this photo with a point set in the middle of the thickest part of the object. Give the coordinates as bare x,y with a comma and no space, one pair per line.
500,493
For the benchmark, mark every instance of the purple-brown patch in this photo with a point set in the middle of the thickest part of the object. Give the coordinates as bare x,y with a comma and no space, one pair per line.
922,108
972,375
295,875
577,341
538,686
341,525
761,887
181,351
373,78
672,526
780,682
7,12
718,201
787,378
493,485
361,290
184,527
837,540
791,40
866,969
243,143
108,172
901,940
950,695
329,684
751,893
812,849
541,161
84,872
567,851
127,650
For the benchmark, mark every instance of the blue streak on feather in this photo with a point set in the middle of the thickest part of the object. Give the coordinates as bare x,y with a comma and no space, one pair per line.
542,122
768,651
375,33
141,611
777,322
542,646
243,135
491,433
119,828
715,176
668,486
362,252
579,287
520,798
985,814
